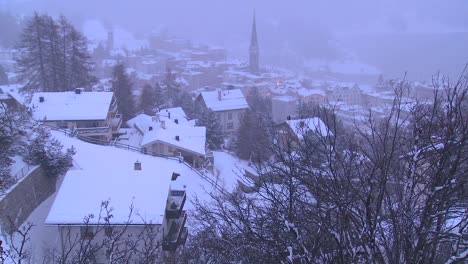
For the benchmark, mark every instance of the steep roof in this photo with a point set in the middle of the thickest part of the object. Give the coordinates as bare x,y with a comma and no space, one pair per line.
190,137
224,100
314,124
71,106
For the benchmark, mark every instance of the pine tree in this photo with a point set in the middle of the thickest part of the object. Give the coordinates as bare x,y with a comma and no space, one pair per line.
171,87
121,86
254,137
6,140
185,101
214,136
148,100
53,56
47,151
3,76
160,99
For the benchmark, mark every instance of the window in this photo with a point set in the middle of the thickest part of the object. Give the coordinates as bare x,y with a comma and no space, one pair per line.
230,125
229,116
86,232
169,148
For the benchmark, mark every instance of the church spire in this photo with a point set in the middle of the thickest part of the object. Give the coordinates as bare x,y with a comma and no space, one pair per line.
254,50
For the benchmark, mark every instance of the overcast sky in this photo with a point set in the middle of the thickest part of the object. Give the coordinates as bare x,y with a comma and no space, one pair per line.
303,25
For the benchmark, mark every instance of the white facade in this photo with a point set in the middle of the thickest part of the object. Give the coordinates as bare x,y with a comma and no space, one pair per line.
282,107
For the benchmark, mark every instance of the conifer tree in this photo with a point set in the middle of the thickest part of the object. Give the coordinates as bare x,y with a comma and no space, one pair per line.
214,135
3,76
53,56
122,88
148,100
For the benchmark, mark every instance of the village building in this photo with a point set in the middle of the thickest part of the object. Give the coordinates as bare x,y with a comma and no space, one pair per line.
169,133
229,106
90,114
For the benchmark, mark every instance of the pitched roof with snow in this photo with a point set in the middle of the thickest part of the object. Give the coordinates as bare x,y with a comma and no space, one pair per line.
190,138
314,124
114,179
224,100
71,106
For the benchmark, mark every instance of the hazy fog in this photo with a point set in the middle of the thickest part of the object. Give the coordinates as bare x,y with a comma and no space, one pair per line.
419,36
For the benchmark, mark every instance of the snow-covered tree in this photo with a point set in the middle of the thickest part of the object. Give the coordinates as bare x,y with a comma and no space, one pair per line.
48,152
53,56
148,100
122,88
390,190
3,76
214,136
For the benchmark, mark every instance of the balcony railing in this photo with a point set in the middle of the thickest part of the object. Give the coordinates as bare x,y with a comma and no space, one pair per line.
176,235
116,122
92,131
175,204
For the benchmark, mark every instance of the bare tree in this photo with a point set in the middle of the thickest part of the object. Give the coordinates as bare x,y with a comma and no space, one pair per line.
391,190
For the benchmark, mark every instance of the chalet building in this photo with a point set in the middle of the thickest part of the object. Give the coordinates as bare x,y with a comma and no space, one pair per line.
156,197
349,94
90,114
170,133
291,133
229,106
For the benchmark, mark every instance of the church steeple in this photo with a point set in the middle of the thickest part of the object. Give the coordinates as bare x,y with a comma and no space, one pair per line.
254,50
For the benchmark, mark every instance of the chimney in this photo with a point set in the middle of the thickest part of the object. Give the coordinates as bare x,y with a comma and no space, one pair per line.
77,90
137,165
150,128
155,118
163,124
41,99
288,117
177,138
219,94
176,121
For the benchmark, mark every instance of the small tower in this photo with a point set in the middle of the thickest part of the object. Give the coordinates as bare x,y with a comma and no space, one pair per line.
254,66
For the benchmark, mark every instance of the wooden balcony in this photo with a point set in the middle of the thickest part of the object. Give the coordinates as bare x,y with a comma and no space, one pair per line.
176,234
175,204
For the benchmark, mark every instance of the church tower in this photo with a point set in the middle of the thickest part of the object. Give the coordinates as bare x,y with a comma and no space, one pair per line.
253,50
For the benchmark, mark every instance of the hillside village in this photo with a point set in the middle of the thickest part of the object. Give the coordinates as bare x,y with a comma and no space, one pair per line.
133,183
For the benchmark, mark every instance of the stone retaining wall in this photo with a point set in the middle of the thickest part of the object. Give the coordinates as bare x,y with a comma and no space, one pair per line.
24,197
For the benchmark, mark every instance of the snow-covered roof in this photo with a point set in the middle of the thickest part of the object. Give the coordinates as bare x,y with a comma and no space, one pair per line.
71,106
113,178
224,100
190,138
314,124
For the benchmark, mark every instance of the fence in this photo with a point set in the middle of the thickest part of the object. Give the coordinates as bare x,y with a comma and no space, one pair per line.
23,172
140,150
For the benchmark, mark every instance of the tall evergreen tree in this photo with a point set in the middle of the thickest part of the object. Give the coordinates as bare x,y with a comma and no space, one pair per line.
214,136
148,100
3,76
159,95
53,56
171,87
185,101
122,88
254,137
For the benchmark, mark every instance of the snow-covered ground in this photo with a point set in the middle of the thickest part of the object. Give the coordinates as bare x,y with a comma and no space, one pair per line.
228,170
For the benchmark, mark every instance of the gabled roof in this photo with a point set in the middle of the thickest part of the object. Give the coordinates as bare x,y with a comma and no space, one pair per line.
113,178
224,100
190,137
71,106
301,126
